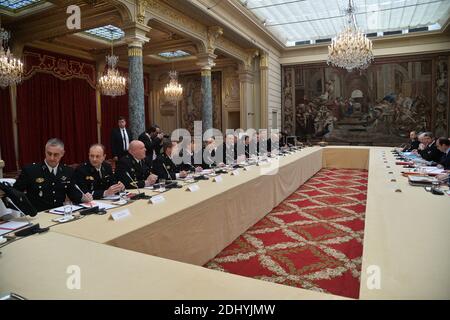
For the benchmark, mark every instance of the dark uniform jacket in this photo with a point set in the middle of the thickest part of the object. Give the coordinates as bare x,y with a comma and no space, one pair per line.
445,161
413,145
128,169
165,168
88,179
431,153
44,189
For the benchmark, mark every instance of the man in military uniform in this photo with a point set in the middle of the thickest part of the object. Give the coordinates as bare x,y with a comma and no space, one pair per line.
164,167
48,183
96,176
133,169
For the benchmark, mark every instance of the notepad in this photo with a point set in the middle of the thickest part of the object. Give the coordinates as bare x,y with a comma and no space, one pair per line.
6,227
112,198
60,210
100,205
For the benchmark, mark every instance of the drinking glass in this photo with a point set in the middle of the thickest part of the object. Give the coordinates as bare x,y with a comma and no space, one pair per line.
67,211
162,185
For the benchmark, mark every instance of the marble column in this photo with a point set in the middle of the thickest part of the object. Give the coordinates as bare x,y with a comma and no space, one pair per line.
135,37
206,62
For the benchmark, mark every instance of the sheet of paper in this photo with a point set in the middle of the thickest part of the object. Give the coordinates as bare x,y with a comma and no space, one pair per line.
112,198
60,210
101,205
434,170
9,226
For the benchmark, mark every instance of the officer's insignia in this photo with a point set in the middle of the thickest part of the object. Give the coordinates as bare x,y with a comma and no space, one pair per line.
132,170
40,180
40,193
90,178
168,167
63,178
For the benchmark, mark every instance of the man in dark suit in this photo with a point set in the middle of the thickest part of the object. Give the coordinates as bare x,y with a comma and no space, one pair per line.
120,139
48,183
192,157
229,149
443,144
413,143
428,150
134,169
96,176
164,167
152,139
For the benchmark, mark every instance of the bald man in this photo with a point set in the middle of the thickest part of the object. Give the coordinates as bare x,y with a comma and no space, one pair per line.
134,169
96,176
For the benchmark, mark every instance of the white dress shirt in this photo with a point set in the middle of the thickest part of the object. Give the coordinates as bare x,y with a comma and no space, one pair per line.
52,170
124,134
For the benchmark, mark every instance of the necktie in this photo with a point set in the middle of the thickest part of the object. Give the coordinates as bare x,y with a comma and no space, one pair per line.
99,173
125,147
54,171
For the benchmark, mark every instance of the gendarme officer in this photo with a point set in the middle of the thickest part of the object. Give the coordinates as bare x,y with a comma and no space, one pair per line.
164,167
96,176
133,169
48,183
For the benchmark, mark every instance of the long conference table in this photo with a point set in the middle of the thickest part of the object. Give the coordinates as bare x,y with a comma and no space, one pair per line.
158,251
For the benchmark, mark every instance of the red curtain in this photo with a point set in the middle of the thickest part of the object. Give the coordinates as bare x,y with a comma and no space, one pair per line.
112,109
48,107
6,132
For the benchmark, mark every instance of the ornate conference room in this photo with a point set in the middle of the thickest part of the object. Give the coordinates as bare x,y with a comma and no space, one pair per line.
224,150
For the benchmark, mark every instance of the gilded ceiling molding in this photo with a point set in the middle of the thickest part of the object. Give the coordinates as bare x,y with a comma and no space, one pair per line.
213,34
168,15
250,55
230,48
140,11
211,38
264,60
206,61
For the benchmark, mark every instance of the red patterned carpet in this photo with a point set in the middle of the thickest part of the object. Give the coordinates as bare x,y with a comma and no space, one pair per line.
312,240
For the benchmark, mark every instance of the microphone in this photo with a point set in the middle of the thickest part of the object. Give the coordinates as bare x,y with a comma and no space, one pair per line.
30,230
168,174
139,195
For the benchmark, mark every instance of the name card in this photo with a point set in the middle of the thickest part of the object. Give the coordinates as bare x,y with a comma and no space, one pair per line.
157,199
119,215
218,179
193,188
235,172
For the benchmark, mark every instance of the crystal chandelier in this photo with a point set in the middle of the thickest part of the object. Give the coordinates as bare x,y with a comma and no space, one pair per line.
350,49
11,69
173,91
112,83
